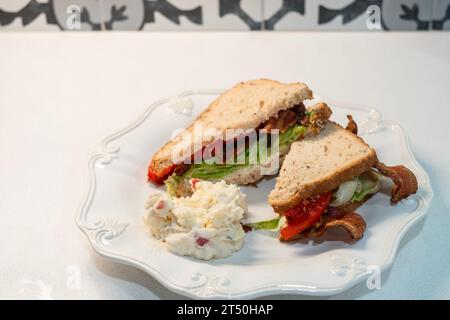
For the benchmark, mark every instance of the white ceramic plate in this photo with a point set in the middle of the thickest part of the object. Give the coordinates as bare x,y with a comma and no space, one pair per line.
111,215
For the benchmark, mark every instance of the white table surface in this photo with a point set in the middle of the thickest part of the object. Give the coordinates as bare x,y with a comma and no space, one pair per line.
60,93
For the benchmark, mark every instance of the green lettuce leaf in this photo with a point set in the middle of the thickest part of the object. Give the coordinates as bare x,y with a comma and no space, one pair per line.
212,171
345,192
265,225
218,171
368,184
290,135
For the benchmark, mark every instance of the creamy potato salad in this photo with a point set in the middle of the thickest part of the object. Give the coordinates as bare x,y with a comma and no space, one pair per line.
205,225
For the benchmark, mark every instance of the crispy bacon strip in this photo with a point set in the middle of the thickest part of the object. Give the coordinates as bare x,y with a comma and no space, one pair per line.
318,118
351,125
405,182
285,118
352,222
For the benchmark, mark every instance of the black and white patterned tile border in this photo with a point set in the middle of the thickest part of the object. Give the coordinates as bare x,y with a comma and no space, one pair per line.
225,15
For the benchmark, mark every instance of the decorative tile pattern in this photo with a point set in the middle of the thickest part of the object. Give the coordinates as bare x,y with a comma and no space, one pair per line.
441,15
315,15
172,15
21,14
123,15
407,14
351,14
102,15
78,15
203,15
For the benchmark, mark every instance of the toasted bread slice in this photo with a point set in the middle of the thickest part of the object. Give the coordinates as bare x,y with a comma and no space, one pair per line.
320,164
244,106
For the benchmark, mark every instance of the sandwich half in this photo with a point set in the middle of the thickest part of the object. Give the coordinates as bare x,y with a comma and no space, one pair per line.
323,181
252,105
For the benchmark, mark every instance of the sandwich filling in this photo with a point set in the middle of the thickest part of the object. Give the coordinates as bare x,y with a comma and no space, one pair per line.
313,216
310,216
293,124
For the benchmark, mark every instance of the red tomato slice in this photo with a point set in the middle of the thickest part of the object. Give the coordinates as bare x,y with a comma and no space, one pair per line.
304,215
159,178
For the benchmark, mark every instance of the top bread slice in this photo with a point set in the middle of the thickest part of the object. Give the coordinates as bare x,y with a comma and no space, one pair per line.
244,106
320,164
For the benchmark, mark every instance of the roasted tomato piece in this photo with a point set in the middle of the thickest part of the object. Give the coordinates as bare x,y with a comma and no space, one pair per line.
159,178
304,215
